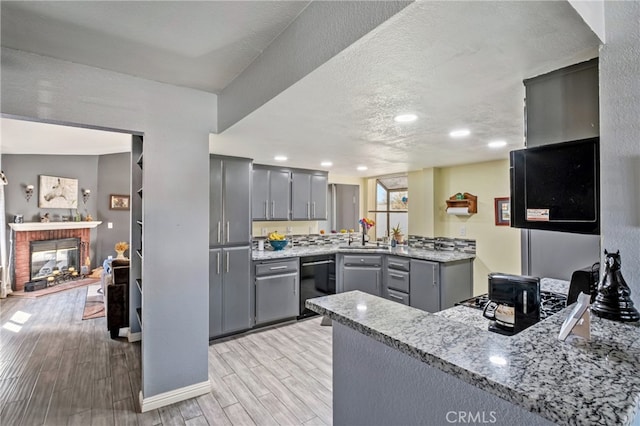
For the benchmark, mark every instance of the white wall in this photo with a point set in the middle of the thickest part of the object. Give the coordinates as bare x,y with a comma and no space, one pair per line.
176,123
620,138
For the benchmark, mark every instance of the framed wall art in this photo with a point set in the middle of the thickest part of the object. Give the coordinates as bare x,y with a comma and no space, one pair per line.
118,202
503,211
58,193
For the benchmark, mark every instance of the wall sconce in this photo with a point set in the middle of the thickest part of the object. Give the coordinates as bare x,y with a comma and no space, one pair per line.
28,192
85,195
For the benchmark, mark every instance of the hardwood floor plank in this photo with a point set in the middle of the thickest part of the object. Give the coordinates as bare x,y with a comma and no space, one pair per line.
81,388
124,413
279,412
323,378
39,402
284,394
212,410
218,365
189,409
268,362
102,403
100,361
314,422
59,408
148,418
13,412
238,415
221,392
171,416
258,413
322,410
80,419
23,387
118,364
266,349
243,371
6,389
309,382
241,353
120,387
64,378
197,421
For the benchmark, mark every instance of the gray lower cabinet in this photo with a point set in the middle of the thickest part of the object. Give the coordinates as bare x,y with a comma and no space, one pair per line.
396,279
437,286
361,272
230,298
277,290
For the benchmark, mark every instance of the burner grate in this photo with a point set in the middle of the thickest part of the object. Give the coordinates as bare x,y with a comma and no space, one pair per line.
550,303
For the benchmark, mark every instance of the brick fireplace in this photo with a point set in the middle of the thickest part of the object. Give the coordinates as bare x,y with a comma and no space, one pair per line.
24,234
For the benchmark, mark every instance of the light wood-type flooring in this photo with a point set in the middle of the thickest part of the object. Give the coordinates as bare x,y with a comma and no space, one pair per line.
56,369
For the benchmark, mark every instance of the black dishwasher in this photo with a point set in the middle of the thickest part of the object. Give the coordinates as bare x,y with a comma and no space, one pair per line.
317,278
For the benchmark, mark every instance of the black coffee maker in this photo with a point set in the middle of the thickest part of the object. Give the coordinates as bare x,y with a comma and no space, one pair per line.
514,303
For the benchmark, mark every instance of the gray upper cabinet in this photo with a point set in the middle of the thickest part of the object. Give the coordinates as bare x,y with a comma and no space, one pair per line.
230,201
271,194
308,196
563,105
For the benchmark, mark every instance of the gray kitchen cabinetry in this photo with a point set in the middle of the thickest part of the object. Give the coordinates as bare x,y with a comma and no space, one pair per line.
277,290
230,298
230,201
360,272
396,279
436,286
271,193
308,196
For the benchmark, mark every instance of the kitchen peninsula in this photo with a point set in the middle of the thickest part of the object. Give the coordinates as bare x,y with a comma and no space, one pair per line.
394,364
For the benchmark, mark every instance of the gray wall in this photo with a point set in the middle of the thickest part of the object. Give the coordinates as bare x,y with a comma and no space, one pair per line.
114,176
620,138
176,123
23,170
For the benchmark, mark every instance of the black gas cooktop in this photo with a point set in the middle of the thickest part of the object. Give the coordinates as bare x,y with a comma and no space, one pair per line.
551,303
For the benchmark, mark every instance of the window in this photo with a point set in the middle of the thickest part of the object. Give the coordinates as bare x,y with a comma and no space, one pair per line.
392,198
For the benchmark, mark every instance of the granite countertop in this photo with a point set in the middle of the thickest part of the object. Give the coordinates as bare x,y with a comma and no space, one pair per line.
411,252
575,381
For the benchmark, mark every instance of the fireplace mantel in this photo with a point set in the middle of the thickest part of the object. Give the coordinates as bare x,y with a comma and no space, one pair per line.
49,226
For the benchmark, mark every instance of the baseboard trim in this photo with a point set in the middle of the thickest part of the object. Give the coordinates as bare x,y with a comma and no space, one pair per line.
134,337
171,397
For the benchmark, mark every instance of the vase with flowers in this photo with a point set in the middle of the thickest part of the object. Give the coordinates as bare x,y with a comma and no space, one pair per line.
121,247
366,224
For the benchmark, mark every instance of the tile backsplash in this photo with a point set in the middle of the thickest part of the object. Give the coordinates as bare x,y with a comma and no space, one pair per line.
429,243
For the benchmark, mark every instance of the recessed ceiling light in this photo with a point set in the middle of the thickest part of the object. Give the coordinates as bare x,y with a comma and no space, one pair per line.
362,168
497,144
280,158
326,164
460,133
405,118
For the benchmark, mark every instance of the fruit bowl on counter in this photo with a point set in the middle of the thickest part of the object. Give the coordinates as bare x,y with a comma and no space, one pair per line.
278,244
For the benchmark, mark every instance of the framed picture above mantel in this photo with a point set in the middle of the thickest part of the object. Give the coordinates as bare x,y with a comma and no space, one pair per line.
58,193
503,211
118,202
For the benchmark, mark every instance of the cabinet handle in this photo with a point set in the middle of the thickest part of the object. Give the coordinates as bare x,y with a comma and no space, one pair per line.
393,296
219,231
314,208
376,281
294,286
396,276
434,275
308,210
266,209
399,265
227,231
227,262
273,209
276,268
218,263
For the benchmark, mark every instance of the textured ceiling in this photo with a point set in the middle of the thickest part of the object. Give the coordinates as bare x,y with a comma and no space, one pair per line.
454,64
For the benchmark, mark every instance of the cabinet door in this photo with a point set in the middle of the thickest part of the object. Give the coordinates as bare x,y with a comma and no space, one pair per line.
215,293
215,201
277,297
236,289
237,201
363,279
425,285
280,194
260,194
319,197
300,196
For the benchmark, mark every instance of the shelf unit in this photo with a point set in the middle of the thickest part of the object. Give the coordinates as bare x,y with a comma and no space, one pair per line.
457,204
137,231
